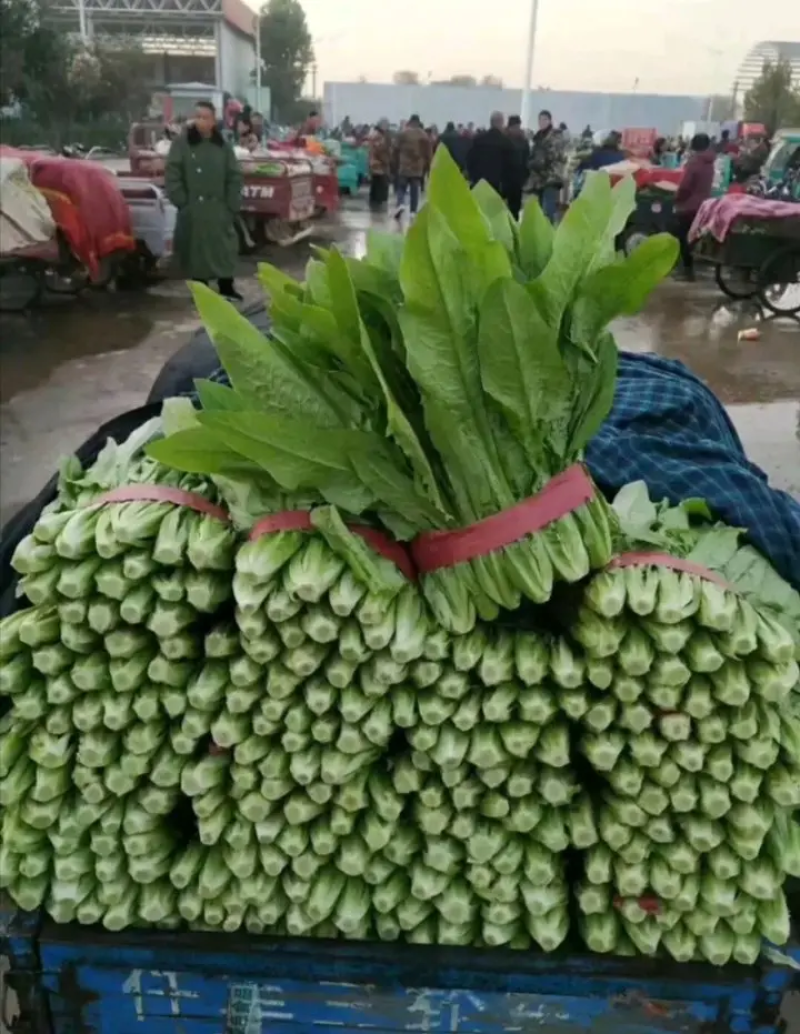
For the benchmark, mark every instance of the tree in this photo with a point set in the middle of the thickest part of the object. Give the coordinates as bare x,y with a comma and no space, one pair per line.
30,50
463,80
773,100
494,81
287,53
405,78
110,77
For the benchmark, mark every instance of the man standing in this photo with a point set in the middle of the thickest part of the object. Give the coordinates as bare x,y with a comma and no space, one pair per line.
548,165
490,156
413,150
456,143
517,172
693,190
204,182
380,165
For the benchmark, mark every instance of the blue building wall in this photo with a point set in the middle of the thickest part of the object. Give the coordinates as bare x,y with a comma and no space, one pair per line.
437,105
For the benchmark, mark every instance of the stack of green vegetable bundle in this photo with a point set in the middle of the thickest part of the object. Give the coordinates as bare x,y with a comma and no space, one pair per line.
269,723
697,748
99,666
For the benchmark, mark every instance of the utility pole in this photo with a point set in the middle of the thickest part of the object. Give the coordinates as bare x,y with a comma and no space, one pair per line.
83,21
525,114
314,81
257,24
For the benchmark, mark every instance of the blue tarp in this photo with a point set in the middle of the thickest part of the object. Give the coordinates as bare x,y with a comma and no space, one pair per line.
668,429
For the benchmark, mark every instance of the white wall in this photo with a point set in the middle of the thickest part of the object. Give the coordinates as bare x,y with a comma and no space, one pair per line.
236,59
437,105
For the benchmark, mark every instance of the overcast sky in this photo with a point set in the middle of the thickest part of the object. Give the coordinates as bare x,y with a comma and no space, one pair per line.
680,46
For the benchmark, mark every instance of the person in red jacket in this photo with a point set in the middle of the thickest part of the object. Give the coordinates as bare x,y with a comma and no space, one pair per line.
694,189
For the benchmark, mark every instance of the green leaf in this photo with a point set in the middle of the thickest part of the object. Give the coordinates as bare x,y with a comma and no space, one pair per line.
594,402
286,311
495,211
178,414
263,371
197,450
351,469
344,306
717,547
621,289
585,236
296,454
398,425
439,322
275,281
536,235
385,251
379,574
634,508
316,283
450,196
218,396
521,367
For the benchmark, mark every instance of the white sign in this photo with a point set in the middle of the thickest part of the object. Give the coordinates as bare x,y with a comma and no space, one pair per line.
301,189
141,984
257,192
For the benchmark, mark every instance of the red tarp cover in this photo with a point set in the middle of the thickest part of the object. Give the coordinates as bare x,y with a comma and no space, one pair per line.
87,205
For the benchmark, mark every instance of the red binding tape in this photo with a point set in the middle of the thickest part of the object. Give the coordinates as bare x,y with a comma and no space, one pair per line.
675,563
648,904
289,520
300,520
561,495
161,494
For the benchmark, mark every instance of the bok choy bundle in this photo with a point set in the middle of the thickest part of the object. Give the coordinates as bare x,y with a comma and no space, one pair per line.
441,382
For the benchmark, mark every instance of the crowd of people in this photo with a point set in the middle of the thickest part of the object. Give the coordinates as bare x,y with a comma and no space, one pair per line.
505,155
510,159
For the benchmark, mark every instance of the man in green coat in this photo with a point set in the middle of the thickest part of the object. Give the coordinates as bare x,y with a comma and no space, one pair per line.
204,182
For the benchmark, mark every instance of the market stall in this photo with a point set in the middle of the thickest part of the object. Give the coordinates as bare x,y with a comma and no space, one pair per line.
278,195
92,233
754,246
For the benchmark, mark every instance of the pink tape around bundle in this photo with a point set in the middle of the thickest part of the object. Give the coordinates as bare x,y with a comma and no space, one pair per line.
674,563
161,494
300,520
561,495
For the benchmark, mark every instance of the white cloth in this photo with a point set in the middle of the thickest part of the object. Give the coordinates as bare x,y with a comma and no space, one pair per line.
25,217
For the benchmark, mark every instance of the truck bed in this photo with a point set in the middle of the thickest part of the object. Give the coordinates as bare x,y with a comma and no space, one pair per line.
84,980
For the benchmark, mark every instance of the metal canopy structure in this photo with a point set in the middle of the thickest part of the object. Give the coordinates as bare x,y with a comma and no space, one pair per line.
165,26
769,50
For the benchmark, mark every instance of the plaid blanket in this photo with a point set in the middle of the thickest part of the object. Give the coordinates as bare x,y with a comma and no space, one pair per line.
668,429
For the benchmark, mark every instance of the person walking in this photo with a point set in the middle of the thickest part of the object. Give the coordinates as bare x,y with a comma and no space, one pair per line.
607,150
413,151
548,165
694,188
380,165
456,143
518,160
490,156
203,180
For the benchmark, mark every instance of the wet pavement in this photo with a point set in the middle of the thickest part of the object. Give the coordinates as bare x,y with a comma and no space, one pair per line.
75,363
